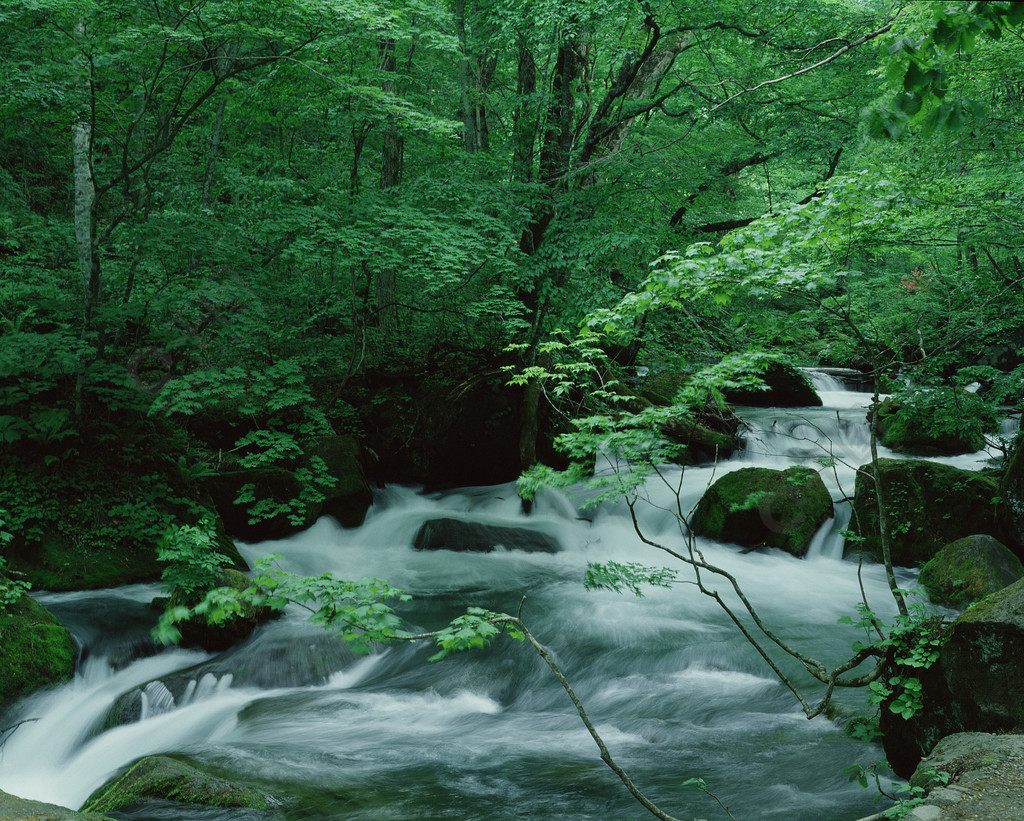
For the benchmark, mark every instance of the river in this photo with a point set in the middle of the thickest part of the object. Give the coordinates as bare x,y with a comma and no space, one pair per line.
673,689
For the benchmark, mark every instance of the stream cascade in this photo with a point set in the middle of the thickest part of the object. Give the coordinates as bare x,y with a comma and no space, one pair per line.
671,685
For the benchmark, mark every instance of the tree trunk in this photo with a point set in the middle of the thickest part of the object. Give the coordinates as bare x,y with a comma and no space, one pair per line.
390,176
85,215
470,134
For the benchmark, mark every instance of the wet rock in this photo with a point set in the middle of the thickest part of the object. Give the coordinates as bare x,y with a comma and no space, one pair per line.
35,649
787,387
969,569
197,632
454,534
929,505
976,685
761,506
350,497
13,808
162,777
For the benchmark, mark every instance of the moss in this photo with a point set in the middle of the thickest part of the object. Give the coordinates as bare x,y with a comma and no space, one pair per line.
662,388
969,569
162,777
760,506
934,427
929,505
13,808
787,387
35,650
989,608
350,497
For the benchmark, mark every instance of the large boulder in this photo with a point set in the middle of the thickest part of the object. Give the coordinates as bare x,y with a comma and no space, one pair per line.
162,777
35,649
946,424
929,505
1011,488
976,685
443,428
706,435
197,632
274,504
350,496
455,534
969,569
761,506
971,775
785,387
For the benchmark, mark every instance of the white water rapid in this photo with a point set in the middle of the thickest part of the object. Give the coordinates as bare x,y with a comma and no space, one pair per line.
672,687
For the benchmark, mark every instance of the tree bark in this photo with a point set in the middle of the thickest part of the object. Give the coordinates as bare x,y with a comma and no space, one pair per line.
390,177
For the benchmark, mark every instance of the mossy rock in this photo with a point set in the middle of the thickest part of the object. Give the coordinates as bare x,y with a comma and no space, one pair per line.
95,522
706,435
13,808
451,427
350,497
912,434
54,561
760,506
272,486
970,569
976,685
35,649
786,387
929,505
163,777
661,388
196,632
1011,489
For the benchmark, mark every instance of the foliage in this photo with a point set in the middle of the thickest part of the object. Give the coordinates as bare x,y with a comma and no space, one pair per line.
632,576
10,589
940,417
912,641
193,563
905,796
356,611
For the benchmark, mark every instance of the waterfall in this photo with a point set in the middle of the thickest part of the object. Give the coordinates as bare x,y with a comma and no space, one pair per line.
669,682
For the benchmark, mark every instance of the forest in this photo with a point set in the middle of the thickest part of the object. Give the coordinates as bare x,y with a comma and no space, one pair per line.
261,261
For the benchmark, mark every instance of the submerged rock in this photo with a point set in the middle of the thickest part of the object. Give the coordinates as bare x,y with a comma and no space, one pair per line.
929,505
969,569
162,777
454,534
761,506
35,649
288,660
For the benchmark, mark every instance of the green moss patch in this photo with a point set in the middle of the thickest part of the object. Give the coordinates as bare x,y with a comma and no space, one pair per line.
970,569
162,777
35,649
760,506
13,808
929,505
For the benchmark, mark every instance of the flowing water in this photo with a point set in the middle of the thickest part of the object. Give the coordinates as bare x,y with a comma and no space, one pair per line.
671,686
